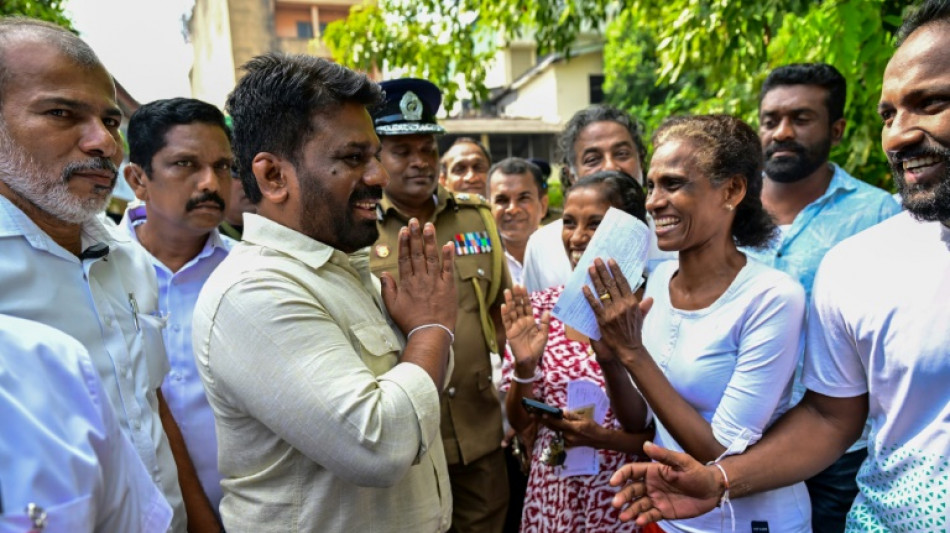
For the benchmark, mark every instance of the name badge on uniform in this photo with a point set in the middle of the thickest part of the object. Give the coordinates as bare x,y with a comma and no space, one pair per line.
471,243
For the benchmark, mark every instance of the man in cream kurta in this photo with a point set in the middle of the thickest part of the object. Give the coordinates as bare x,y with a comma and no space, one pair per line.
327,420
317,423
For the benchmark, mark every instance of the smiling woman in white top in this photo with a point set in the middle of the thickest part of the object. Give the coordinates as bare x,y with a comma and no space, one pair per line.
714,358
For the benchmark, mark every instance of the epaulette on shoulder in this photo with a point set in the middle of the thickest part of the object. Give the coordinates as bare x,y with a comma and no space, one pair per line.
471,200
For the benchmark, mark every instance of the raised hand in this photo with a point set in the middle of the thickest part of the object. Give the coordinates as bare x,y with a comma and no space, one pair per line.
526,337
618,311
425,293
675,486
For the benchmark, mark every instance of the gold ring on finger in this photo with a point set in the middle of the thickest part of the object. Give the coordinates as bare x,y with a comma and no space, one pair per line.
605,296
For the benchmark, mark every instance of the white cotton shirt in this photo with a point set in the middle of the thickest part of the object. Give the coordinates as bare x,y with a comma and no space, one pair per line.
546,264
881,326
109,305
183,391
61,446
515,268
733,362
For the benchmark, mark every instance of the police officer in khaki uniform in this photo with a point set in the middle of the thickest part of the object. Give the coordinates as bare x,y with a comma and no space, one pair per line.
471,413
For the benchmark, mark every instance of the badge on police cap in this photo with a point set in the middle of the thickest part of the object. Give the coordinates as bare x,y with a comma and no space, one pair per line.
411,106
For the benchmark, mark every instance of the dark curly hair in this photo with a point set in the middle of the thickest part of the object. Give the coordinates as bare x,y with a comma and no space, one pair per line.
273,106
725,146
819,74
586,117
620,189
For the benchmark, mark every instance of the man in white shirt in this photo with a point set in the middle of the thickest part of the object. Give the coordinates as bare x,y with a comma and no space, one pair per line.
518,196
877,343
325,392
66,465
596,138
180,167
62,264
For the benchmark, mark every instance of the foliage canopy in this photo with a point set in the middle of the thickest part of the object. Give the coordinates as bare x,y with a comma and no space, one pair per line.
49,10
660,57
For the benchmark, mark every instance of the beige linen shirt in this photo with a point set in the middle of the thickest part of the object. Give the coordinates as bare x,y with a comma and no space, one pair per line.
320,428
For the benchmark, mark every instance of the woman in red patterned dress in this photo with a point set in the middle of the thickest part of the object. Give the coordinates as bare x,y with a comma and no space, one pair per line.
541,361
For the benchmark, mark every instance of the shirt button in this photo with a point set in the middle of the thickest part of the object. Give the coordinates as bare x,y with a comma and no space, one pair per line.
176,328
451,392
137,424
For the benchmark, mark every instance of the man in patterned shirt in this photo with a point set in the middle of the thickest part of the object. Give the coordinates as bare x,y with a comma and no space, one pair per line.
816,204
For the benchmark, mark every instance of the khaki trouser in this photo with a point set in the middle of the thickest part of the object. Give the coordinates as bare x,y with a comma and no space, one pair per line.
479,494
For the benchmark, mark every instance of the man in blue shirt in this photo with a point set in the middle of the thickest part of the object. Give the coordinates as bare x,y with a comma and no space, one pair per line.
816,204
180,166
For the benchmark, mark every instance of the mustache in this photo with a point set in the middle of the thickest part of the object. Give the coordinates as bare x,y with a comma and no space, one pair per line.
213,197
368,193
96,163
923,150
784,147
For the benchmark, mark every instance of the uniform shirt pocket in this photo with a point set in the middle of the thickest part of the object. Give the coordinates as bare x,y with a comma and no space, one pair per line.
469,271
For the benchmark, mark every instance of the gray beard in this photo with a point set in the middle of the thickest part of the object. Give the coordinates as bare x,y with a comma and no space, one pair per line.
24,177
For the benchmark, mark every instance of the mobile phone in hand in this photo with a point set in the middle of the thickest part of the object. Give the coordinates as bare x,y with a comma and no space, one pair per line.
535,407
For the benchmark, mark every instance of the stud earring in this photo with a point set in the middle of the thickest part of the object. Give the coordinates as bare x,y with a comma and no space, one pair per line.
729,207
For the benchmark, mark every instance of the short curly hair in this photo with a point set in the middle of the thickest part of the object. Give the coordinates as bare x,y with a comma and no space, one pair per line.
272,107
587,116
726,146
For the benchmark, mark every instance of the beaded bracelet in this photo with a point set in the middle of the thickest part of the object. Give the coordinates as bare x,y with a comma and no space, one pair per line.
427,326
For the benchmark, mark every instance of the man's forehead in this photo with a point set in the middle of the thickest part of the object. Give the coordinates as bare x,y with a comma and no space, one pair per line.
43,71
924,55
464,149
603,134
794,97
511,181
195,136
408,140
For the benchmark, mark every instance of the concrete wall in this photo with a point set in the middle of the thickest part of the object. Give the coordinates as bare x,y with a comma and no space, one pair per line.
213,71
228,33
252,30
559,91
573,82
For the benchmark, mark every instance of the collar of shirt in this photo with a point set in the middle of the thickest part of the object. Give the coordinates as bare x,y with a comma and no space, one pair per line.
15,223
135,216
264,232
838,186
